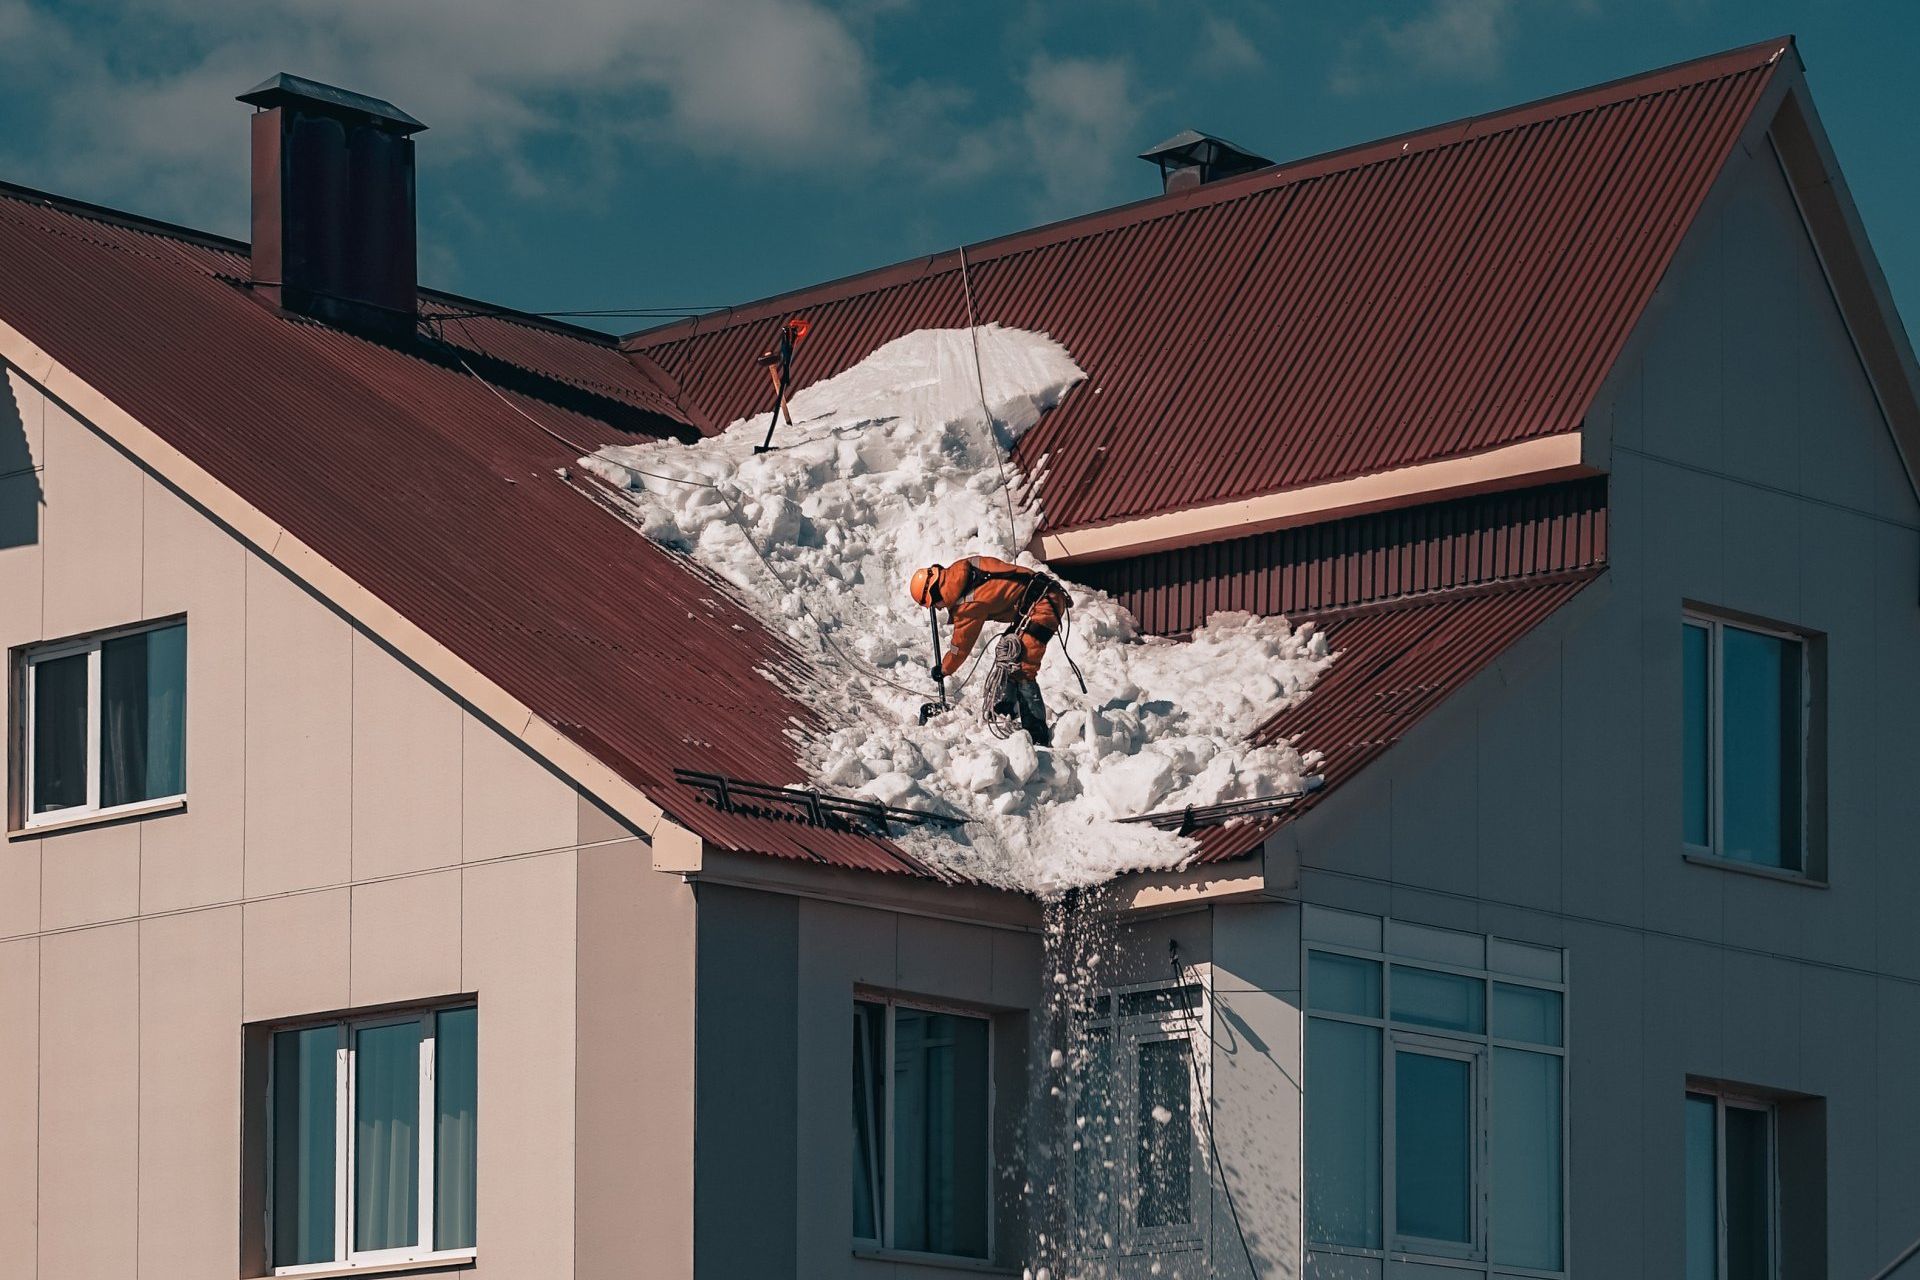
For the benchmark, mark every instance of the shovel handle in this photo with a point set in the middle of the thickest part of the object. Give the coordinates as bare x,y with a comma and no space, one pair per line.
933,626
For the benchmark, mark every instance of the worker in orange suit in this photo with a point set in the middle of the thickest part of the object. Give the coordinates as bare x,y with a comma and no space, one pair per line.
981,589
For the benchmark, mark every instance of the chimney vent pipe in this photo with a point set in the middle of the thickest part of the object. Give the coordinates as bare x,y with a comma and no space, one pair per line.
1190,159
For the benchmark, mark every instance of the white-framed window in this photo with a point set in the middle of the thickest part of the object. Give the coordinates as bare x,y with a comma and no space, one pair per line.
371,1126
1435,1112
105,722
1733,1178
922,1129
1136,1080
1746,715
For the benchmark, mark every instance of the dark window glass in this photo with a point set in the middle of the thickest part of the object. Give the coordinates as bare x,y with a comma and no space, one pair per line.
303,1145
1094,1155
1749,1194
869,1117
1696,733
940,1133
386,1147
60,733
1343,984
1703,1190
1760,739
1164,1125
456,1086
143,687
1343,1133
1433,1147
1431,999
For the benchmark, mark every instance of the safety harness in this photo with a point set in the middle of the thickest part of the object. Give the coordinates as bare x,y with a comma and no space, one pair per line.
1036,586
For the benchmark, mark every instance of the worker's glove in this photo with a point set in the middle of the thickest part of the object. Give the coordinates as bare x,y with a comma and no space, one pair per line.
937,672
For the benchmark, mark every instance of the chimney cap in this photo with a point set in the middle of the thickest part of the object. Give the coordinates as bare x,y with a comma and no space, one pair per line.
277,90
1191,147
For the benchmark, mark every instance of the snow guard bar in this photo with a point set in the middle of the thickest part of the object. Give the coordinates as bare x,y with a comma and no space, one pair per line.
1185,821
815,808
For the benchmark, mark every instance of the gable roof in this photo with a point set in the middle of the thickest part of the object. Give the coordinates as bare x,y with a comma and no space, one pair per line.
1443,293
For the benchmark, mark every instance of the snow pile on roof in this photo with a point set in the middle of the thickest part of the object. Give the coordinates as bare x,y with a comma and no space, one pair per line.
891,466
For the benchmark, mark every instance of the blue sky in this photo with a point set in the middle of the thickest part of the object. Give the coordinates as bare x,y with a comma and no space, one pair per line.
690,153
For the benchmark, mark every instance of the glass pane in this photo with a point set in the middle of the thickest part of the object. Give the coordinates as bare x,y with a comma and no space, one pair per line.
1526,1013
60,733
1433,1147
303,1139
1134,1004
1524,1227
1695,731
1761,743
940,1133
1431,999
456,1089
1094,1155
869,1116
1343,984
1343,1133
1749,1195
143,685
386,1169
1164,1128
1703,1192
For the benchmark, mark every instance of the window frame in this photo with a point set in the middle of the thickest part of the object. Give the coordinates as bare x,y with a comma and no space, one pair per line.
1126,1033
1713,850
28,657
1724,1101
345,1085
1477,1259
892,1002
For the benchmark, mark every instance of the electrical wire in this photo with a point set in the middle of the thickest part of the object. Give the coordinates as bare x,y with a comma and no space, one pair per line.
980,381
1206,1106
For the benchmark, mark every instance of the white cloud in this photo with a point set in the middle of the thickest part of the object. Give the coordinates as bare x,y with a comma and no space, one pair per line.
1080,115
1450,40
1225,48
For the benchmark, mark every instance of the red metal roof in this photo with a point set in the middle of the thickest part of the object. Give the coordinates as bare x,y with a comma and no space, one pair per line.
1393,664
1431,295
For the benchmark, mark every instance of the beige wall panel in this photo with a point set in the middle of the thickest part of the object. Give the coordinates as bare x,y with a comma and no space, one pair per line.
509,802
299,737
636,1070
19,1104
90,530
406,767
19,887
406,939
190,1093
89,1103
296,959
20,558
90,874
518,955
194,567
23,409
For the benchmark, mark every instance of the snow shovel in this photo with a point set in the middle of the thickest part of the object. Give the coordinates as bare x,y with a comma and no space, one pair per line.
928,710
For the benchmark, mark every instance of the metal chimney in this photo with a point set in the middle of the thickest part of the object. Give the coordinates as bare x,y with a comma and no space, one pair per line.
333,213
1189,159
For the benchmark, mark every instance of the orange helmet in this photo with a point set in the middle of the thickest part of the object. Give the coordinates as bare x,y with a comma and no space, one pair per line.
925,587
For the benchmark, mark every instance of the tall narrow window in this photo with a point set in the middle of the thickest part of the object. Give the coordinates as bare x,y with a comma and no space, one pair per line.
1744,723
372,1127
1163,1128
1435,1128
1731,1179
106,720
924,1077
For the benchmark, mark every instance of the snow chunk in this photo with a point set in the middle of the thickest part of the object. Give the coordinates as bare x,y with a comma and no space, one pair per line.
894,465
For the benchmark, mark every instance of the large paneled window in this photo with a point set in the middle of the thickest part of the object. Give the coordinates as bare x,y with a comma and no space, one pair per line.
1434,1111
1136,1166
922,1129
105,723
1732,1229
370,1127
1744,738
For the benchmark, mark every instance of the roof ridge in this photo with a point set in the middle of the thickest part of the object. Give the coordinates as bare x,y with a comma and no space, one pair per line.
1359,155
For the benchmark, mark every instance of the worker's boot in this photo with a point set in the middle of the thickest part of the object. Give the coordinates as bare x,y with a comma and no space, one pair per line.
1033,711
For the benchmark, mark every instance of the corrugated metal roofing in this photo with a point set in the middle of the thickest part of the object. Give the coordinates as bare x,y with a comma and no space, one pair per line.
1428,296
1394,663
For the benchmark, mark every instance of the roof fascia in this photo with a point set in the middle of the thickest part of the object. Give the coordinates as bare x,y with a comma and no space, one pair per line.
909,895
1846,255
339,589
1528,462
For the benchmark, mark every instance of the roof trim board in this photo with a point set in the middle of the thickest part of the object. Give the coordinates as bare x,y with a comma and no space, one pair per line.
1529,462
673,844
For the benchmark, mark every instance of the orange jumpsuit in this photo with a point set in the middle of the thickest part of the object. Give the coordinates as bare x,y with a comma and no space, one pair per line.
973,601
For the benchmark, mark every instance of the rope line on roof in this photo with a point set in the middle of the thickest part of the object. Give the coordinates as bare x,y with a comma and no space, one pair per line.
980,381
